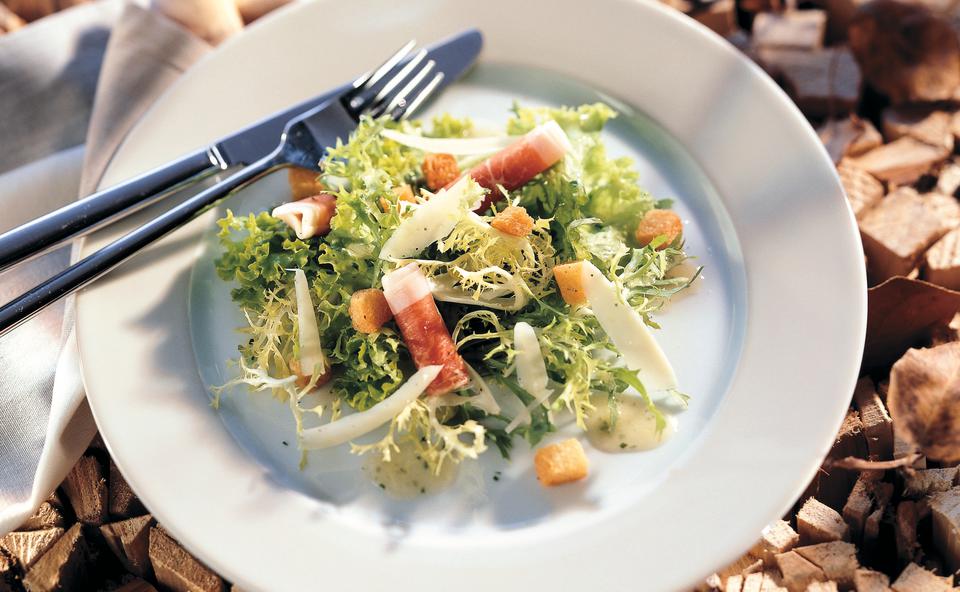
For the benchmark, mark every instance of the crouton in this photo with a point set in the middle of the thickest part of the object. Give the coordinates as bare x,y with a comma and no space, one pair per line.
369,310
403,193
304,379
562,462
440,170
659,223
304,182
513,220
569,278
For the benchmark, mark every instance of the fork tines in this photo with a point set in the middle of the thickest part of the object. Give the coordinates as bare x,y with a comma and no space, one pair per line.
375,93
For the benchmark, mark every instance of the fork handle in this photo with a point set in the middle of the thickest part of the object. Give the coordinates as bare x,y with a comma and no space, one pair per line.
92,267
86,215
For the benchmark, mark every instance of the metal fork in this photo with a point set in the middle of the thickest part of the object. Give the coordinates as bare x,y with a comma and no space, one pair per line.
303,142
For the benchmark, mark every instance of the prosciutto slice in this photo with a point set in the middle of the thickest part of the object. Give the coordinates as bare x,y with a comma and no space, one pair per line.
538,150
408,293
308,217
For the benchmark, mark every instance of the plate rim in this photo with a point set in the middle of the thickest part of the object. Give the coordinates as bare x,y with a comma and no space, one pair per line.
287,14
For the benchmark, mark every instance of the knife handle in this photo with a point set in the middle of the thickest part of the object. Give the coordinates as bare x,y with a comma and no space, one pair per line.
93,266
99,209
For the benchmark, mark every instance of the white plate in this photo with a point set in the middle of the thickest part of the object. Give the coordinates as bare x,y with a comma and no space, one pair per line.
768,346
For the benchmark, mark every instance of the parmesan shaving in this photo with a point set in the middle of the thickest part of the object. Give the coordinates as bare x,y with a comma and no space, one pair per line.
312,360
627,331
433,220
353,426
455,146
484,398
531,370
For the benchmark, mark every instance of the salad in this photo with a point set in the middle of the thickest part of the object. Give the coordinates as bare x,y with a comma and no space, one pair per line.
440,289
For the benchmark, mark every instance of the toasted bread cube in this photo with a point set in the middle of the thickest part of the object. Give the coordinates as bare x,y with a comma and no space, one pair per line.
369,310
562,462
403,193
659,223
569,278
440,170
304,182
513,220
304,379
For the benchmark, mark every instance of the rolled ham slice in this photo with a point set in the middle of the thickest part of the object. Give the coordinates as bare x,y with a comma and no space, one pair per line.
308,217
415,311
538,150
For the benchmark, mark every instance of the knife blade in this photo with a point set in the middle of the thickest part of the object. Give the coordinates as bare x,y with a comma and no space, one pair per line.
453,56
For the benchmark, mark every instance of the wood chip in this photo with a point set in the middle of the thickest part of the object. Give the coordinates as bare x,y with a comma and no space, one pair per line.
839,15
945,516
86,489
945,332
794,29
910,64
924,395
752,582
867,580
136,585
734,584
123,502
129,540
719,16
902,449
63,566
822,587
711,584
744,564
858,507
778,537
942,261
837,559
850,136
863,190
178,570
903,161
797,571
818,523
918,484
948,178
48,515
823,83
871,528
900,228
877,425
905,530
862,464
27,547
916,579
833,486
772,581
8,573
930,126
901,313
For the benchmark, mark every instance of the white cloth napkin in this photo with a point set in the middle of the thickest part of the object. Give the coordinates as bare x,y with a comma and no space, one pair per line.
48,73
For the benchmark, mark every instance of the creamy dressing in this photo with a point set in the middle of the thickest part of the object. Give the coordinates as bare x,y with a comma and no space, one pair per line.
407,475
635,427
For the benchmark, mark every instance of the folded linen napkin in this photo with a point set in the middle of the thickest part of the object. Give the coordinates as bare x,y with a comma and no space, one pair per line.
86,73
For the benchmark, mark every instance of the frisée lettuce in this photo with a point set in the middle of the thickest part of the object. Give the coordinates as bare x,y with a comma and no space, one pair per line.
523,353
